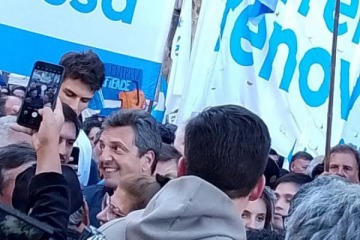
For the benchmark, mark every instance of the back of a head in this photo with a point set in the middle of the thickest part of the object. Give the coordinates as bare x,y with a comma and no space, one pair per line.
263,235
319,182
227,146
85,66
168,152
330,211
13,156
296,178
9,136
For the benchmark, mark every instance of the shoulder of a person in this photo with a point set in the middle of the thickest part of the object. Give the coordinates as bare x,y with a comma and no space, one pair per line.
115,229
93,190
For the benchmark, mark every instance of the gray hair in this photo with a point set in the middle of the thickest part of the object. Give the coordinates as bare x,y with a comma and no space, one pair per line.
327,208
14,156
9,136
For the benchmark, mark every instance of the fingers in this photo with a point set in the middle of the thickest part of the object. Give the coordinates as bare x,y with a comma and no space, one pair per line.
45,112
15,109
16,127
57,113
58,107
48,114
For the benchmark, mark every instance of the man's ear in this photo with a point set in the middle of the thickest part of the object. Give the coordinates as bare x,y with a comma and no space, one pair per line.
258,189
147,161
291,166
181,169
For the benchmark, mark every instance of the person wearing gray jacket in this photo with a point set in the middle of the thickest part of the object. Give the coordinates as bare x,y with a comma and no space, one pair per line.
226,150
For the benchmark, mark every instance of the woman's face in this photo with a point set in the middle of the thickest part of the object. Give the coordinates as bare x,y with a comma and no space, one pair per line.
116,206
254,215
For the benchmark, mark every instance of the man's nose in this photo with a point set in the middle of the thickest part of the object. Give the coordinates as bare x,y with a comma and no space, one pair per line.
278,205
105,155
341,172
74,105
62,148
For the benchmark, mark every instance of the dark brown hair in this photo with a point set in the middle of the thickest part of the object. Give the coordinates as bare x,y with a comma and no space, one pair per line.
85,66
168,152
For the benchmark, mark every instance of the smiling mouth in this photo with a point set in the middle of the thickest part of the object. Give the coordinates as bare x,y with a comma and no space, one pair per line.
110,170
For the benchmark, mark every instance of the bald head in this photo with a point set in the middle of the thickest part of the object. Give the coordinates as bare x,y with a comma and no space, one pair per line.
8,136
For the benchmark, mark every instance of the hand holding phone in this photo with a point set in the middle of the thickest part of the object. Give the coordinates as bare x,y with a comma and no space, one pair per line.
46,138
42,91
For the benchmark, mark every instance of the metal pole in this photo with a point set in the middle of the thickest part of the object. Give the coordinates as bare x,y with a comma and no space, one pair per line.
332,81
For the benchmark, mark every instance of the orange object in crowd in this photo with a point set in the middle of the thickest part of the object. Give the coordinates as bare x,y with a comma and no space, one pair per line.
132,100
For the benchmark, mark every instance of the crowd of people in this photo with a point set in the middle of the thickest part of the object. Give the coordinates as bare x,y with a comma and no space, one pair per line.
213,177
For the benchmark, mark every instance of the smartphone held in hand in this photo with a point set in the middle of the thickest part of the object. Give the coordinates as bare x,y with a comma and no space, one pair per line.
42,91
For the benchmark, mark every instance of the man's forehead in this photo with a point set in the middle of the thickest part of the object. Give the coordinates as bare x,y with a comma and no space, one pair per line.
287,188
302,160
77,87
342,158
68,131
123,134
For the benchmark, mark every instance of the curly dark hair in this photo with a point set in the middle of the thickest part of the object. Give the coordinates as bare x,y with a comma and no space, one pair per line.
85,66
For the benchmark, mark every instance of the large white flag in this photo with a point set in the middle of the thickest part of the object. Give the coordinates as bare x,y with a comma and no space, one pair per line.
180,55
279,68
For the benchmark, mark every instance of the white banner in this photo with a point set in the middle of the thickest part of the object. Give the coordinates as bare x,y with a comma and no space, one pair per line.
128,34
131,27
279,67
180,56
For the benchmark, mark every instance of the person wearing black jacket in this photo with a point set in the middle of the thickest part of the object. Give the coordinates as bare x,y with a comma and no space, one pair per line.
49,192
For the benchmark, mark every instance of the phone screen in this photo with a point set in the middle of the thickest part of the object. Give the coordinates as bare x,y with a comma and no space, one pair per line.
42,91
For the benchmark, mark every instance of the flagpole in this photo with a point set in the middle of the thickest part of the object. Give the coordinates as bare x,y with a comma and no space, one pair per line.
332,81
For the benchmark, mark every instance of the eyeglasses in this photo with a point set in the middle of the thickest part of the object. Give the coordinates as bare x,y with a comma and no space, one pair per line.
112,211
